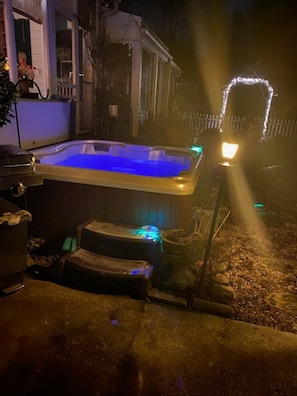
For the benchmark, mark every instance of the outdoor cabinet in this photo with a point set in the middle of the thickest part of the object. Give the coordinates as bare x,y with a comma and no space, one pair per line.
13,246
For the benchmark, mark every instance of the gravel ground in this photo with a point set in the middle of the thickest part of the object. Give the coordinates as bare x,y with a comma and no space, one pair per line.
262,257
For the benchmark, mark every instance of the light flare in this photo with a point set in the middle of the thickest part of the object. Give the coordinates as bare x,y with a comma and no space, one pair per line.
241,194
212,46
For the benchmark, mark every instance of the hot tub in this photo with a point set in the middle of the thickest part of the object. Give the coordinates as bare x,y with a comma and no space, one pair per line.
115,182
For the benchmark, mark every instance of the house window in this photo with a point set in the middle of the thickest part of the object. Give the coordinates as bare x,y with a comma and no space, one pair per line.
64,49
23,36
29,39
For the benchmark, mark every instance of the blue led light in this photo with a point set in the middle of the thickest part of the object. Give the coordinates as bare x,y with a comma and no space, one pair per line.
67,244
136,272
149,232
258,205
197,149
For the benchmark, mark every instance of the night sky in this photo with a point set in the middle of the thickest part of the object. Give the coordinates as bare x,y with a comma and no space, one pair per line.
239,4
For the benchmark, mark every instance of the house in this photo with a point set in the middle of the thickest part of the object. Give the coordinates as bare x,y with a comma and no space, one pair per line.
97,70
150,81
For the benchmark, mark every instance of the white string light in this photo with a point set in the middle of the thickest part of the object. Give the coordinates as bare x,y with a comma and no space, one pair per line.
248,81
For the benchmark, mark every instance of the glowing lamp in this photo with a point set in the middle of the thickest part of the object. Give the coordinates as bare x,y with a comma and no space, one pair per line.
229,150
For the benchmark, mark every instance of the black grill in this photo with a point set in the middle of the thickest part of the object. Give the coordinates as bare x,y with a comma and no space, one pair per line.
17,166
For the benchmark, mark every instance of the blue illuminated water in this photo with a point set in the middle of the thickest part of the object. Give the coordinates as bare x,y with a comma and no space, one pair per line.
127,165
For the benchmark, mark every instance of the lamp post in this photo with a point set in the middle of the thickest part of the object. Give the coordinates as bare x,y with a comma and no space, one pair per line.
228,152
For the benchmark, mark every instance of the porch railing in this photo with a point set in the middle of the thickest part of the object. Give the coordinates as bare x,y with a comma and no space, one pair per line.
66,90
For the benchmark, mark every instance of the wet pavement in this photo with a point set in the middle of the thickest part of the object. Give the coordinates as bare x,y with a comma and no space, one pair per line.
57,340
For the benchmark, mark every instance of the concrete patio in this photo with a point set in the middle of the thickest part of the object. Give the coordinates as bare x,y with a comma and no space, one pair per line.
61,341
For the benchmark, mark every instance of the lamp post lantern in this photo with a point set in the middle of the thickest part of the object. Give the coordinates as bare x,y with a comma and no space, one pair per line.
228,152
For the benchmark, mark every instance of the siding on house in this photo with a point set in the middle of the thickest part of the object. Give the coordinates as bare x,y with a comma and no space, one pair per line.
37,56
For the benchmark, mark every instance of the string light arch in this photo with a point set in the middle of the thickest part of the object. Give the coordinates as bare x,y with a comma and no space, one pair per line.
248,81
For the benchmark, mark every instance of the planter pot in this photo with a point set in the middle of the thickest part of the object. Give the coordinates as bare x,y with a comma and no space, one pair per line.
176,242
179,251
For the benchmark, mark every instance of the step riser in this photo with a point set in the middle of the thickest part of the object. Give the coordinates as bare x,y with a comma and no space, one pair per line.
90,271
100,283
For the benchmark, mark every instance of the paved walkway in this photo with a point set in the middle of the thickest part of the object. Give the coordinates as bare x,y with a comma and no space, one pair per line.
60,341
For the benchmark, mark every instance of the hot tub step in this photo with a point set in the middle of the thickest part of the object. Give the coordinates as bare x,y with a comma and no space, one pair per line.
120,241
92,271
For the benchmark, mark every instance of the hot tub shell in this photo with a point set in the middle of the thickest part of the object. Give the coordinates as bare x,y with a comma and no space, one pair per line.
70,195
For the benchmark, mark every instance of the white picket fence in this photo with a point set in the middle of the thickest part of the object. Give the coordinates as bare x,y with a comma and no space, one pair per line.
198,122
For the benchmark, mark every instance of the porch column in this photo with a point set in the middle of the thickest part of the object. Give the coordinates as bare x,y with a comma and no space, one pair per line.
136,86
10,40
49,45
168,71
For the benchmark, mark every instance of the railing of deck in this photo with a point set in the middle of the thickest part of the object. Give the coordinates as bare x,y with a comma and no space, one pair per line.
66,90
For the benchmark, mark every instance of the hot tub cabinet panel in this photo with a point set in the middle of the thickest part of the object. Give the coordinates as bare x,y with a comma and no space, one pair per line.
57,206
